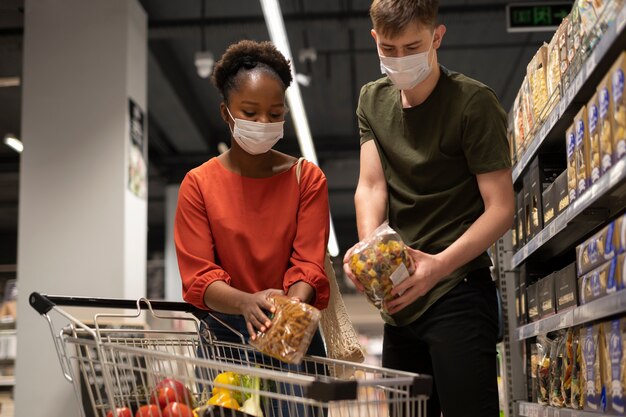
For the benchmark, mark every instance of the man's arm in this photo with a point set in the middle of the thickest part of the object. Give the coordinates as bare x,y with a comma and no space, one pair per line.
496,190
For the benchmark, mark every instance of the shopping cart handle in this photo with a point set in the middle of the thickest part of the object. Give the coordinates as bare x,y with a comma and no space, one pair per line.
43,303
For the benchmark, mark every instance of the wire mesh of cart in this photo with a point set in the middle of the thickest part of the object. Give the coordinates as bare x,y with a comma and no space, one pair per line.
117,371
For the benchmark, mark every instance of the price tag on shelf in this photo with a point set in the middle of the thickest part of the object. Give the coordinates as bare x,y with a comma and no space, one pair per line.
590,66
540,239
557,412
543,132
554,118
546,412
552,229
579,77
562,107
536,328
616,173
525,251
571,92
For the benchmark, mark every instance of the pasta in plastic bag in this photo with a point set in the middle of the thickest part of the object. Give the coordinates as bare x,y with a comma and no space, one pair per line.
293,325
380,261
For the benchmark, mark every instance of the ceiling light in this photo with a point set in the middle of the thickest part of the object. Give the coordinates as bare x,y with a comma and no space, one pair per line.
12,142
10,82
204,63
278,35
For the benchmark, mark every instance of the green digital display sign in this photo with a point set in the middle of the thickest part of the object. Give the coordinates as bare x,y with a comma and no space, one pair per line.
536,17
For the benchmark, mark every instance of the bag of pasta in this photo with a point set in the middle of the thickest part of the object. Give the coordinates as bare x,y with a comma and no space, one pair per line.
379,262
293,325
544,348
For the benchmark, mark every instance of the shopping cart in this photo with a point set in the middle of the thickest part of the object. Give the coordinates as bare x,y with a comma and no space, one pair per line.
119,370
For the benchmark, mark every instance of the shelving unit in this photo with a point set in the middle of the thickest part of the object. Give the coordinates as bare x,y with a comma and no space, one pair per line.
526,409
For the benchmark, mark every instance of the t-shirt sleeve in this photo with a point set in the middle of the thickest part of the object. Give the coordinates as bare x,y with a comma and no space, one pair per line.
194,244
365,130
309,246
484,138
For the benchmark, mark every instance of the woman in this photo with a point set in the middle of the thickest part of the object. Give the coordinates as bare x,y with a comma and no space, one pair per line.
245,228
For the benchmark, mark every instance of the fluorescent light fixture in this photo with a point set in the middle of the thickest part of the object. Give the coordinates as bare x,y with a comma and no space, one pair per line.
11,141
10,82
278,35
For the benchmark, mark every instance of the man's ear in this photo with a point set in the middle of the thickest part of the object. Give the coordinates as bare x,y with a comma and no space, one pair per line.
374,35
440,30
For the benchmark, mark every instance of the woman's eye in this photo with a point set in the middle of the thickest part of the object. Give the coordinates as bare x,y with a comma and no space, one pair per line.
248,113
276,116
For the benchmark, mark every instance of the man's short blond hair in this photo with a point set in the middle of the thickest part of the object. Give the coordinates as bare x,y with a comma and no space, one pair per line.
391,17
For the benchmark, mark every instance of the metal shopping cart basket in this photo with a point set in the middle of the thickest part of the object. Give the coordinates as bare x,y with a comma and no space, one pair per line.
118,371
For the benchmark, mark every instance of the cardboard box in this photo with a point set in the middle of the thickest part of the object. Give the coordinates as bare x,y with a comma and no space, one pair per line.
549,204
602,246
521,234
561,193
605,115
532,292
583,171
619,107
593,148
566,288
547,296
606,279
543,171
572,163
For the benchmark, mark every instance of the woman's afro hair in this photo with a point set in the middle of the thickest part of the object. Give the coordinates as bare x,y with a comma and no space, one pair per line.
248,55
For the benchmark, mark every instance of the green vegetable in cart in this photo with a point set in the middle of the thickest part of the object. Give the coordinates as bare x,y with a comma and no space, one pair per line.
252,405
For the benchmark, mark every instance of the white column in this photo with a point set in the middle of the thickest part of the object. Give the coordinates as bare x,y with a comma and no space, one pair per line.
81,230
173,288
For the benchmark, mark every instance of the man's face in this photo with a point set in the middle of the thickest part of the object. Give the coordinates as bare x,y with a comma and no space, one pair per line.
412,40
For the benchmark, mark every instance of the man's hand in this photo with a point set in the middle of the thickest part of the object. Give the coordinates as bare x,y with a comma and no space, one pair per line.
253,309
348,271
429,270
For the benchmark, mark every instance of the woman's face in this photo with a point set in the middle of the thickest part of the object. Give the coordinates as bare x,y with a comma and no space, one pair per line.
259,98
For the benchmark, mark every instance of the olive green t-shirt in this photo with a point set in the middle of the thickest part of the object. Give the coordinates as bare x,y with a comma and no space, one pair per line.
431,154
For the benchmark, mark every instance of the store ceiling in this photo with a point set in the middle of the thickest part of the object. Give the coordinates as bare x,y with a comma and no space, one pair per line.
184,124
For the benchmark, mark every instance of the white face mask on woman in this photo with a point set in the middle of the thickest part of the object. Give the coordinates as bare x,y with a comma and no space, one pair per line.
255,137
407,71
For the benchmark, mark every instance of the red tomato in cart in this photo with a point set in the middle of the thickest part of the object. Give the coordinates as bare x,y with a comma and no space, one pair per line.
177,410
148,411
169,391
121,412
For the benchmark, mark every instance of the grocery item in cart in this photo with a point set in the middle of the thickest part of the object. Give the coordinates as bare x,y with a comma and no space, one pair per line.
379,262
619,107
594,138
293,325
593,389
615,369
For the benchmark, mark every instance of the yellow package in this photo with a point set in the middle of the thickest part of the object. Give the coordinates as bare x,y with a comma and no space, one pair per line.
563,52
519,132
619,107
529,118
536,72
570,146
605,112
593,149
553,72
583,171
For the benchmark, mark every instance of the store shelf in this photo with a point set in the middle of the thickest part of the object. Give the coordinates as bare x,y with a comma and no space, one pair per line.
7,381
603,199
580,90
526,409
598,309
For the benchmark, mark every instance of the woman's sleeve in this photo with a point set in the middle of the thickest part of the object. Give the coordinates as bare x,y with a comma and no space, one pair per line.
194,244
309,247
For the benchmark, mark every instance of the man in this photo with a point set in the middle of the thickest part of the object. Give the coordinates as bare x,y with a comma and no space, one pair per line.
435,163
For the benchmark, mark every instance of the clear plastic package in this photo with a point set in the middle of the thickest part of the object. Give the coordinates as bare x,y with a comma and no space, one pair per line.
379,262
293,325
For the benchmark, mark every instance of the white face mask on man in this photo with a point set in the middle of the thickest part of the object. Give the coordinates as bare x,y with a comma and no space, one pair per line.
407,71
255,137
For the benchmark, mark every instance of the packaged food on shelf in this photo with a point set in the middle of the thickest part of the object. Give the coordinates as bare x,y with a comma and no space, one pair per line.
547,299
531,218
572,163
594,139
532,297
593,389
561,192
534,369
556,370
544,349
293,325
576,399
615,365
529,119
583,172
605,115
619,107
521,233
563,53
605,279
566,288
553,72
602,246
548,199
519,131
379,262
568,366
543,171
573,41
588,19
536,72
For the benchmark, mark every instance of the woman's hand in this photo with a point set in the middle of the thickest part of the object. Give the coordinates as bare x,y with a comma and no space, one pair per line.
253,308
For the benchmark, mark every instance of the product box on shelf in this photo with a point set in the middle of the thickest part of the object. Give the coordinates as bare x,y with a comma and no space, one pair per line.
602,246
553,71
593,149
529,119
514,243
548,199
519,131
529,217
605,279
572,163
614,332
592,384
521,233
520,300
536,72
605,115
563,49
532,298
566,288
583,173
543,171
546,294
561,193
619,107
